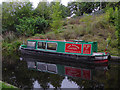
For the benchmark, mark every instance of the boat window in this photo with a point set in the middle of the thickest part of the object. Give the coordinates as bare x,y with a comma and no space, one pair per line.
52,46
41,45
31,44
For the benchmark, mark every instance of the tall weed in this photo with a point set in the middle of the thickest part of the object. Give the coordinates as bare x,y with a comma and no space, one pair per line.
8,36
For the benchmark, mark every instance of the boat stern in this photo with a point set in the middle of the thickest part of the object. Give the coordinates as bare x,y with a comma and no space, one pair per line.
101,57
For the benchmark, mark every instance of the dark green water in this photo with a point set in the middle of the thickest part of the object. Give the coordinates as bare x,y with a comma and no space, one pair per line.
34,72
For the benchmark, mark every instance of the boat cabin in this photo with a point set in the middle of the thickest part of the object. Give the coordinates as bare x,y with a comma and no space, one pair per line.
77,47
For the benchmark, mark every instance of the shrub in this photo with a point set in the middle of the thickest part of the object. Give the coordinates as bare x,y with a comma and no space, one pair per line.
30,26
9,49
40,25
114,44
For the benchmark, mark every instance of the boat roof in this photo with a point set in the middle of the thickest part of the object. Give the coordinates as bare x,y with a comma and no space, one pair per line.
59,40
52,40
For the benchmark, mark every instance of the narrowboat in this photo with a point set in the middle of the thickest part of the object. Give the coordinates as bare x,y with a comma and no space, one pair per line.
73,49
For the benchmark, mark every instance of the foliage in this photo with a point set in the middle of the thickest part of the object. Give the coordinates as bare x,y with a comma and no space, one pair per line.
25,27
82,7
7,18
11,11
23,10
56,17
113,18
65,11
9,49
30,26
9,36
43,10
6,86
79,8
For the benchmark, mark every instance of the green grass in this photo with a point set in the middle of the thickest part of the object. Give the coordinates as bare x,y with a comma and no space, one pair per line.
4,85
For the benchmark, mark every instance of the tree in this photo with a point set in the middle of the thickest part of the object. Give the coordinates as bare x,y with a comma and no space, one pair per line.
11,11
7,17
43,10
30,26
79,8
24,9
56,17
65,11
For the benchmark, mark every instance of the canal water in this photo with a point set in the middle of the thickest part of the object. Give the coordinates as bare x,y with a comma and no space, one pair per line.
30,72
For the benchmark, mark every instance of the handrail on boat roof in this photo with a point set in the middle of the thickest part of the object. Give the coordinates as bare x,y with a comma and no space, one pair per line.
61,40
78,40
48,39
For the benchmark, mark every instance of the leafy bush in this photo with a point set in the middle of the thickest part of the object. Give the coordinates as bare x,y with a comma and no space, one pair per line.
30,26
40,24
114,44
10,48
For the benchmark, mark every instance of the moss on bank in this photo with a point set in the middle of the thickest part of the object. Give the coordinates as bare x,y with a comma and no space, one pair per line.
4,85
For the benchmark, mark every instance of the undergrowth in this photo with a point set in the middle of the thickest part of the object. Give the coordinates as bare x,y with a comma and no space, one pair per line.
88,28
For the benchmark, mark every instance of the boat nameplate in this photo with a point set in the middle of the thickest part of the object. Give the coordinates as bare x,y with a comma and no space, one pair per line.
73,48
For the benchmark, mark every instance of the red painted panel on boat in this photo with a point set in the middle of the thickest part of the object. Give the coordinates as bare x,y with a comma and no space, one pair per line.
87,49
74,72
73,48
101,61
86,74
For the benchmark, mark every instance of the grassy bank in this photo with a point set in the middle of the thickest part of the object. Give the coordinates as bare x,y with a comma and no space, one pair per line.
4,85
88,28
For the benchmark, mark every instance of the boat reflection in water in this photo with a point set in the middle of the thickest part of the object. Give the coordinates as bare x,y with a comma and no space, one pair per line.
75,72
